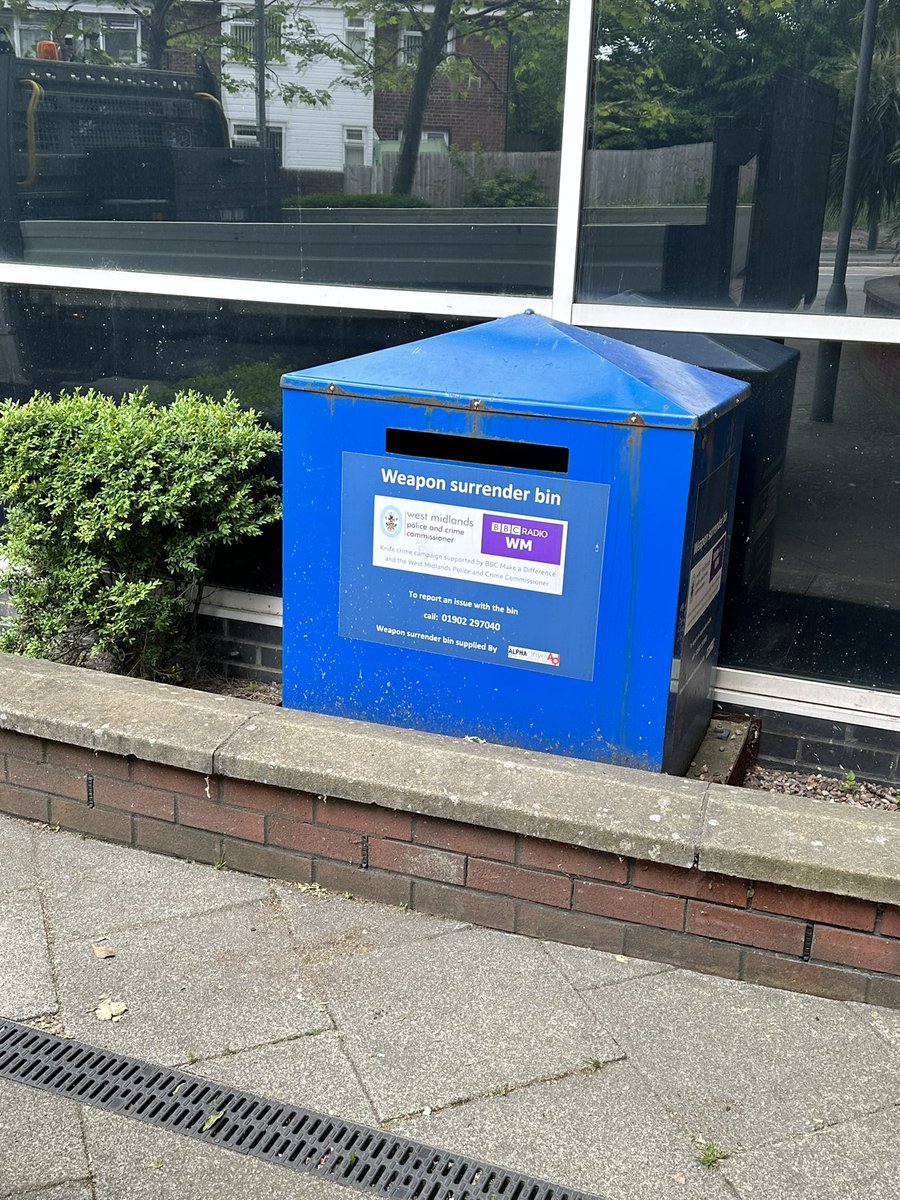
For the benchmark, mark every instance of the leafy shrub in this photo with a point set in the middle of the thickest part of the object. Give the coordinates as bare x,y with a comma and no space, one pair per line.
257,383
508,190
114,510
339,200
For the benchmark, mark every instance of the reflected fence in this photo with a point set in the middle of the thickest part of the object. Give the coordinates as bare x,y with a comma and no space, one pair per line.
667,175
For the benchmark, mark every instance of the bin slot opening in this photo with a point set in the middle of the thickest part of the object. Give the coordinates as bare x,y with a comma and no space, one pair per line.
486,452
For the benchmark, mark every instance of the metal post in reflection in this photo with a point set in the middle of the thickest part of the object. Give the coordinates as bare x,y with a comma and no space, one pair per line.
829,359
259,53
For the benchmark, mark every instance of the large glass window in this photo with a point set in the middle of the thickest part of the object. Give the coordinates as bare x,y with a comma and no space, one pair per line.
449,161
717,148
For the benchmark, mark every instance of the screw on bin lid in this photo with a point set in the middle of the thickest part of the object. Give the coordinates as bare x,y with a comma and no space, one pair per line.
529,364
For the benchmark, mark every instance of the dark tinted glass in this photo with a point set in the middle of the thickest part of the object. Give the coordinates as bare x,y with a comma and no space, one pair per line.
813,586
117,345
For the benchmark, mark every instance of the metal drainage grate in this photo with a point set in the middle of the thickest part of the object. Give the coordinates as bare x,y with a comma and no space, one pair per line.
369,1160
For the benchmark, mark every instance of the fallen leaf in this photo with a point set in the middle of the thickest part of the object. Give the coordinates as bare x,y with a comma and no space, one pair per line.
110,1010
101,951
211,1120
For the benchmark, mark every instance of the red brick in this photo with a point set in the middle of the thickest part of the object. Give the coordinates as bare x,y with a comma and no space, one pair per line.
366,818
505,880
33,806
317,840
421,861
745,928
174,779
466,839
890,922
809,978
117,793
575,928
815,906
373,885
267,861
682,950
461,904
21,745
628,904
884,991
44,777
278,801
221,818
572,860
684,881
106,823
87,762
860,950
177,840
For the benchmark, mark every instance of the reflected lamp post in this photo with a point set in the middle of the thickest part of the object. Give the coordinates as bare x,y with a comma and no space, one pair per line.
829,358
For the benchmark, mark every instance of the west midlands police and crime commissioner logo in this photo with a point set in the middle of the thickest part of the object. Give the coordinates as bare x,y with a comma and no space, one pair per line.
391,521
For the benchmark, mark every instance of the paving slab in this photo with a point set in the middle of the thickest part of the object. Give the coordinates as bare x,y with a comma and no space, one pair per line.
73,1190
602,1132
883,1021
40,1140
856,1160
26,980
142,1163
94,890
311,1071
586,968
194,984
443,1019
326,925
743,1065
16,855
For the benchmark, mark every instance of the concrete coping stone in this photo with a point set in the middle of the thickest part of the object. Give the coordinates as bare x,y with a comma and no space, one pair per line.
662,818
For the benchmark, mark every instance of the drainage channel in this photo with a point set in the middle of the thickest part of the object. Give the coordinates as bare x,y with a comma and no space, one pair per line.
355,1156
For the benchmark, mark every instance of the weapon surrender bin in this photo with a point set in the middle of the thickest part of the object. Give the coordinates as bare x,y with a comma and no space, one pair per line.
518,532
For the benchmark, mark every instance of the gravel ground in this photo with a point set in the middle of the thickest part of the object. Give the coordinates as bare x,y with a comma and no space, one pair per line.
843,789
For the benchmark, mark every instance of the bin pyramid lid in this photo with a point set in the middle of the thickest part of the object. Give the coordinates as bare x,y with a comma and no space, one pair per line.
528,364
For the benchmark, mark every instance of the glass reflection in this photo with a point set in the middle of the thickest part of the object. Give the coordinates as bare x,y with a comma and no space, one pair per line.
717,150
402,146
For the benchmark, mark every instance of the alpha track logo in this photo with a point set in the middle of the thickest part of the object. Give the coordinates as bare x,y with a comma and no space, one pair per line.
544,658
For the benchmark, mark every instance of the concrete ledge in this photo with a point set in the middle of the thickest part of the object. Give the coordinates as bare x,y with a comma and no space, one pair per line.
752,835
613,809
110,713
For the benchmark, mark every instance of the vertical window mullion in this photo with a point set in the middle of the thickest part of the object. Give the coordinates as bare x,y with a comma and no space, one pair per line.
571,159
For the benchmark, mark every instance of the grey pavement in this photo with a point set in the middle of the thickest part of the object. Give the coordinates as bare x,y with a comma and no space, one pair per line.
595,1071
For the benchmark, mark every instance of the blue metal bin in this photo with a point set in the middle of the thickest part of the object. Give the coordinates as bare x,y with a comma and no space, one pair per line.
518,532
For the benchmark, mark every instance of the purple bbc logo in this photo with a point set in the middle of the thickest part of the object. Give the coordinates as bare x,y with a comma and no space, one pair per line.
522,537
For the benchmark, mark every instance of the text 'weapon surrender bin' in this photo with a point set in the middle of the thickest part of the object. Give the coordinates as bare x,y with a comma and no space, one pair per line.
518,532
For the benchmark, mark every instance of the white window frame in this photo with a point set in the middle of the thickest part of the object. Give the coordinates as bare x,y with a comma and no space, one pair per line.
357,32
247,25
244,133
352,142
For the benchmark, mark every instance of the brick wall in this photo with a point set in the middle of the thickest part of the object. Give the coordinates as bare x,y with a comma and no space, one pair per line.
798,743
474,116
781,937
